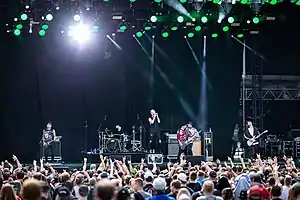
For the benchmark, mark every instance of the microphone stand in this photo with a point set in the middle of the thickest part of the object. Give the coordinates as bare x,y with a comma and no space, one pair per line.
142,131
101,136
85,136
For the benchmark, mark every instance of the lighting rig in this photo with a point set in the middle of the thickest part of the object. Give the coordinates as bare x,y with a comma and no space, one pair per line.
81,18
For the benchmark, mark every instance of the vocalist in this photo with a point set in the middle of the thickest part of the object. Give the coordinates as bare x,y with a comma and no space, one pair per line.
155,136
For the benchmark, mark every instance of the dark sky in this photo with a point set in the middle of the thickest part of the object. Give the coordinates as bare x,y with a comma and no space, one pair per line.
47,78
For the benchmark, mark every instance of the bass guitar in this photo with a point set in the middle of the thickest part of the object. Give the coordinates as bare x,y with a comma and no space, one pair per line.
253,141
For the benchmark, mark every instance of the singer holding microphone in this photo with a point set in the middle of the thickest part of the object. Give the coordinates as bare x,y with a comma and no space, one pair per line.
155,136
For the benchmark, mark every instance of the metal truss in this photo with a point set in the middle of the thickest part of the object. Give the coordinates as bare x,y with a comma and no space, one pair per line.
274,94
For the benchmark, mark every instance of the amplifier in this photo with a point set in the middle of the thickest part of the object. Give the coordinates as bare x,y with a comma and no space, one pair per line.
56,148
173,147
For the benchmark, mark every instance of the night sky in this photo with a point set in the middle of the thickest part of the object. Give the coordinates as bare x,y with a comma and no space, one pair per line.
50,79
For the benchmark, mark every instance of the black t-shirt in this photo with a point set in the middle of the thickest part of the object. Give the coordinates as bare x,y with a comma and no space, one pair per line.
194,186
148,188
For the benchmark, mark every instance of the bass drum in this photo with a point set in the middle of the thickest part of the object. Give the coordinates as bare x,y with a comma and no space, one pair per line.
113,145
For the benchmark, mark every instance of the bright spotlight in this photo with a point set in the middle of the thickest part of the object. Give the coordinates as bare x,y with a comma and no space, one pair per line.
80,33
49,17
57,8
77,18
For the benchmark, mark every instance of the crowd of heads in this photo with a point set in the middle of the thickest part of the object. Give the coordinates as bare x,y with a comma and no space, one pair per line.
259,179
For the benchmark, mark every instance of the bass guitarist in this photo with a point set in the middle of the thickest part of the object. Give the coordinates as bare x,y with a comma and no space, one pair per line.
48,137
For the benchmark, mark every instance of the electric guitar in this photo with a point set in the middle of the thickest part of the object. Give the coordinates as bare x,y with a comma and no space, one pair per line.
253,141
46,144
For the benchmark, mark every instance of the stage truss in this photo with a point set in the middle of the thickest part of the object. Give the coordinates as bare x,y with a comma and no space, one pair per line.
273,88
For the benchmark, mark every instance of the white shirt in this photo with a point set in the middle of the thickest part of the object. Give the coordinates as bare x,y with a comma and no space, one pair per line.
251,130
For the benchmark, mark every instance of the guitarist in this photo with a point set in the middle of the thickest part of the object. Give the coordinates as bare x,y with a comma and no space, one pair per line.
184,135
49,135
250,133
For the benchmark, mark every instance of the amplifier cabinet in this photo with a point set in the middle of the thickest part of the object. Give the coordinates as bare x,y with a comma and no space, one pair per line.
56,148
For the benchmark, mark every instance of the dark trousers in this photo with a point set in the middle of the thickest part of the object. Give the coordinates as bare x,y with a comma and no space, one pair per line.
252,151
186,151
48,150
233,148
155,140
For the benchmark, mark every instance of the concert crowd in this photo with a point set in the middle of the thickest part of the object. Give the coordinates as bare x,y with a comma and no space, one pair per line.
122,180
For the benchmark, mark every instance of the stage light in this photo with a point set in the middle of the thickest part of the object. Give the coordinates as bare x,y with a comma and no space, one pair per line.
147,27
165,34
158,1
45,27
255,20
230,20
204,19
180,19
123,27
42,33
225,28
132,1
77,18
24,17
174,27
139,34
244,1
214,35
49,17
17,32
183,1
80,33
273,2
240,35
216,1
19,26
95,28
153,19
190,35
198,28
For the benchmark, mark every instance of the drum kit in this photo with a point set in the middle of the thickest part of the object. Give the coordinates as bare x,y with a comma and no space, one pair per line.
119,141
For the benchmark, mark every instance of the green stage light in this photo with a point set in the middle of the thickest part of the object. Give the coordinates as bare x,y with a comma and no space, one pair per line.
244,1
139,34
230,20
24,17
147,26
42,33
255,20
298,3
123,27
153,19
183,1
204,19
240,35
273,2
190,35
17,32
214,35
132,1
158,1
165,34
225,28
216,1
174,27
19,26
45,27
198,28
180,19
